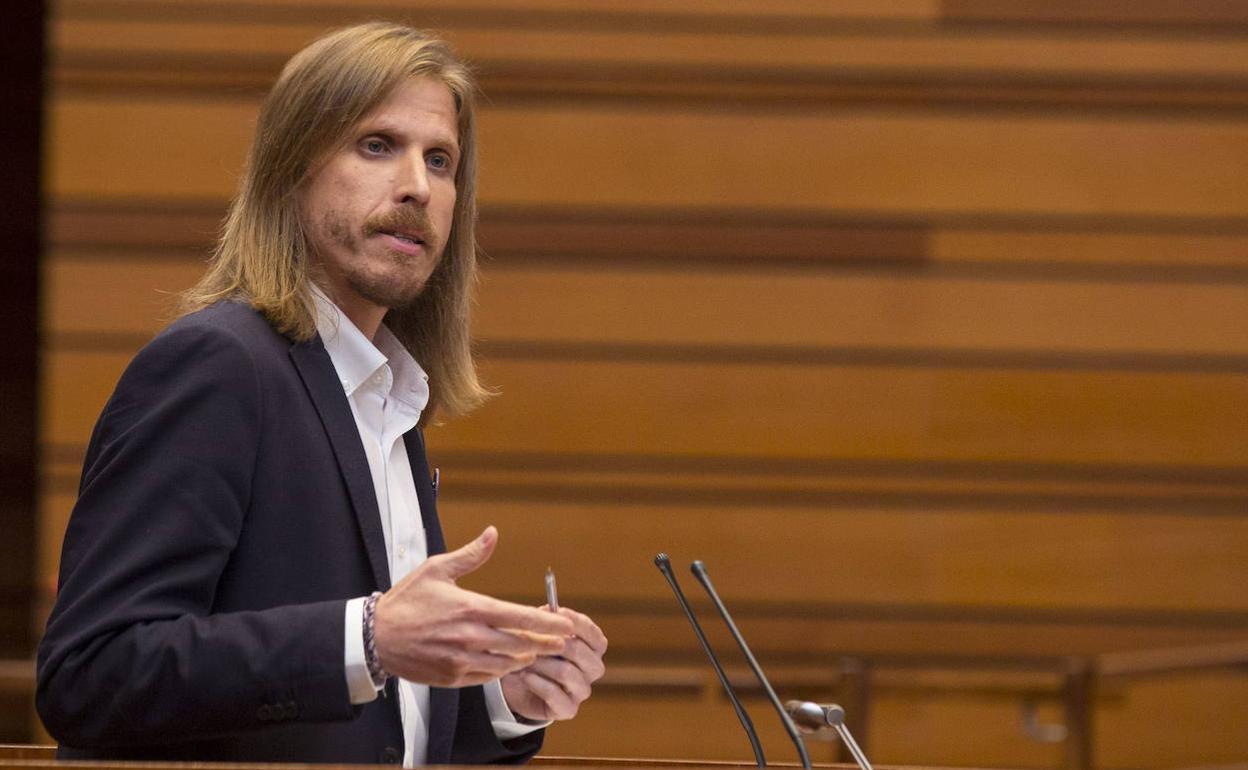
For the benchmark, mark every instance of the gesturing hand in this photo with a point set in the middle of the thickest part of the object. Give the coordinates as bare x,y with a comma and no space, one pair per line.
431,631
555,687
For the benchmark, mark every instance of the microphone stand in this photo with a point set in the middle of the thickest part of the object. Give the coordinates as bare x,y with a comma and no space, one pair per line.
814,717
835,716
665,566
699,572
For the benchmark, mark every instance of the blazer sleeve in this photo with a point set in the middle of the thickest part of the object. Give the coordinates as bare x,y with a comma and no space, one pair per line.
133,652
475,741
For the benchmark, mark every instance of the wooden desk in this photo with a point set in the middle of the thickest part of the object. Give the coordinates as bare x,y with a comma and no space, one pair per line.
43,758
1074,680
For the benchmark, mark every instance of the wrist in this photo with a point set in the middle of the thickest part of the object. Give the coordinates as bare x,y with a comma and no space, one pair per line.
372,659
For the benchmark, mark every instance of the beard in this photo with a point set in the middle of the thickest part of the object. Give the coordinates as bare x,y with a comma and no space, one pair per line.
384,291
386,278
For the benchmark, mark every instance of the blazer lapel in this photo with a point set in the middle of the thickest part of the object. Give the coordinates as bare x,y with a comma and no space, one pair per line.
425,493
443,702
331,404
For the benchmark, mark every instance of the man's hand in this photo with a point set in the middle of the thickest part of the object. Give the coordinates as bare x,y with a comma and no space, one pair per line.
431,631
555,687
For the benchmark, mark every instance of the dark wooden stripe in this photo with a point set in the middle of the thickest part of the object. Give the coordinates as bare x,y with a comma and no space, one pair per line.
110,230
862,468
124,221
839,499
727,239
107,343
625,495
848,356
452,15
705,237
1084,272
1201,14
1005,614
126,225
796,89
983,470
605,256
688,85
1204,16
1218,16
696,481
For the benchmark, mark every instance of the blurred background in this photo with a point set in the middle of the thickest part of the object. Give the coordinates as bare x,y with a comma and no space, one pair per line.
924,324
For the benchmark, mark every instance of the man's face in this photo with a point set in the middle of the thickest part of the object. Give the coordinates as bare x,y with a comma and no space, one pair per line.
378,211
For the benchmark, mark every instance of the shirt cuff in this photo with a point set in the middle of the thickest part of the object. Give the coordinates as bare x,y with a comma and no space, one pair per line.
359,681
506,724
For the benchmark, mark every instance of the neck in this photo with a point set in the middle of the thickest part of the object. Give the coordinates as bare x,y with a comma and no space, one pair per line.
366,316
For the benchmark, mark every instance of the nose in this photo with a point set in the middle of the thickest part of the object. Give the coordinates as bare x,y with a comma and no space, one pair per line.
412,184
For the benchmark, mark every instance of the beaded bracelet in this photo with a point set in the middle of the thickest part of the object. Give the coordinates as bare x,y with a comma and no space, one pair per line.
378,674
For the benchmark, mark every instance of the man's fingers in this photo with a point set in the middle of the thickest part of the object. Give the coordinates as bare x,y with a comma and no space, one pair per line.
565,674
589,662
501,614
463,668
514,641
460,562
538,644
559,705
586,630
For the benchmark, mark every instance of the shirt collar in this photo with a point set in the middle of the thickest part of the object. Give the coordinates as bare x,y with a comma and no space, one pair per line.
356,359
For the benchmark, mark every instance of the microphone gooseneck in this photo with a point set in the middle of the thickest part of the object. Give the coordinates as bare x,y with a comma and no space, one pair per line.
665,566
699,572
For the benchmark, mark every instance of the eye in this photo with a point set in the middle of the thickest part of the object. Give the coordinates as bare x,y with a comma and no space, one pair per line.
375,146
439,161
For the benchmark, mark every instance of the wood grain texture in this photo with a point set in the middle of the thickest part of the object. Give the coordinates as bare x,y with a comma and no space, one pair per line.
834,162
753,53
923,323
852,309
793,410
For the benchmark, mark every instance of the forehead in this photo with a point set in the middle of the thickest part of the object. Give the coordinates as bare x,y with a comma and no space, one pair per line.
419,104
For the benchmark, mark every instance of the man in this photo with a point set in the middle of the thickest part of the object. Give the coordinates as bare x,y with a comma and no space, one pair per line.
245,570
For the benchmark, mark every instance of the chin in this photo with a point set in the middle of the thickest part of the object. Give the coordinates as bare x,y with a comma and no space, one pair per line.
387,293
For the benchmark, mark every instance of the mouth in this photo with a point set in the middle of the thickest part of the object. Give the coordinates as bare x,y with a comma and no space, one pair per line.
402,235
406,242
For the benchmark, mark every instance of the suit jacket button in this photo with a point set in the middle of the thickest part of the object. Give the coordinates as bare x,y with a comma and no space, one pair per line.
391,756
290,710
264,713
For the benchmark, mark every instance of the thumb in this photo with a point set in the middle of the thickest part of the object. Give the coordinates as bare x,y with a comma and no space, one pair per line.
469,557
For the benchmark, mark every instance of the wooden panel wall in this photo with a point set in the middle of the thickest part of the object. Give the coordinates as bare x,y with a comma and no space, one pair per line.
924,324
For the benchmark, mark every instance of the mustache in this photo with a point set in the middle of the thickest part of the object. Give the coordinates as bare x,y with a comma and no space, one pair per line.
405,219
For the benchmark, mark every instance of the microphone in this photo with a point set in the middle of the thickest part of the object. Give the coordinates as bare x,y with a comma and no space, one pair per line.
816,717
665,566
805,714
699,572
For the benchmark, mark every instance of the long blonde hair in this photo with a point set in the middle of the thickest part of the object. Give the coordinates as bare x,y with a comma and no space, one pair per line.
263,255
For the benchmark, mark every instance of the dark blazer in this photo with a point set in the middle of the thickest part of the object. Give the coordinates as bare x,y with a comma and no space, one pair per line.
226,514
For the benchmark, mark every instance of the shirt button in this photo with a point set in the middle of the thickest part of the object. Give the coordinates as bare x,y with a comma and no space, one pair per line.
402,550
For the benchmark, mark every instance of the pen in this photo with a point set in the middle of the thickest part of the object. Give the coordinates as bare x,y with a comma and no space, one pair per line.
552,596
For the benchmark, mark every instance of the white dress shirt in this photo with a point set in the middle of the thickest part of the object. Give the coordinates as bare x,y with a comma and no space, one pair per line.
387,391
